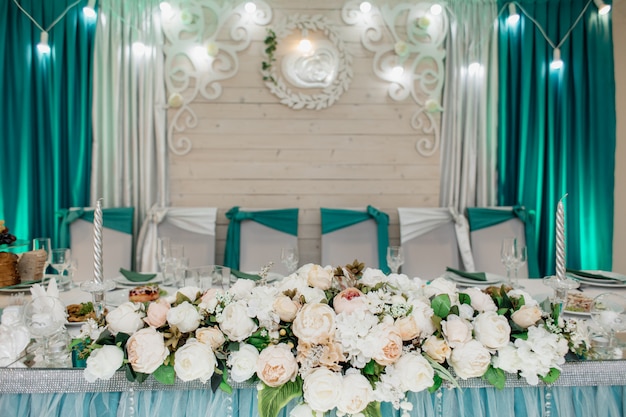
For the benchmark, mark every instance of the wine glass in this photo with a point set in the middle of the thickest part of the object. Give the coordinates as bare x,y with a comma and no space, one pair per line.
521,256
44,317
508,254
163,252
395,258
43,243
72,269
60,260
289,258
608,312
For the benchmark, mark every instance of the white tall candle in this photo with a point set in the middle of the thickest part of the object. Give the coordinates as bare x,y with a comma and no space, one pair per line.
560,240
97,242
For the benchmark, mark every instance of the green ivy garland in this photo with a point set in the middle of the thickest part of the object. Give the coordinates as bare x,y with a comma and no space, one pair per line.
270,47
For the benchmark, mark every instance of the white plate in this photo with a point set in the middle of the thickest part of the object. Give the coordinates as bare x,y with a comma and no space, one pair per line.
26,287
491,279
599,282
577,313
122,280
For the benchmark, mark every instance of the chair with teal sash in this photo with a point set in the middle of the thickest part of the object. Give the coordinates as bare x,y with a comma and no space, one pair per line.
489,225
256,237
349,234
76,233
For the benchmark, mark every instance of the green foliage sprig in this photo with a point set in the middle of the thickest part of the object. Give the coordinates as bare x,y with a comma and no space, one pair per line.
271,43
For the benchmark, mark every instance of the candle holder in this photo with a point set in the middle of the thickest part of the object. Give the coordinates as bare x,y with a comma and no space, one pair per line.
561,286
98,292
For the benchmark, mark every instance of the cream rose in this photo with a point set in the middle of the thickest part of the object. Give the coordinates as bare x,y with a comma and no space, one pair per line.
437,349
235,322
276,365
194,360
408,327
349,300
156,315
304,410
127,318
526,316
190,292
414,372
208,301
457,330
470,360
387,343
184,316
103,362
242,363
146,350
315,323
320,277
356,394
242,288
480,301
211,336
322,389
492,330
286,308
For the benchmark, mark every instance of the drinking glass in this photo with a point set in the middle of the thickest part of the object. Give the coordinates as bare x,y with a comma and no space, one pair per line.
60,260
289,258
71,271
163,252
508,253
395,258
44,317
608,312
43,243
521,256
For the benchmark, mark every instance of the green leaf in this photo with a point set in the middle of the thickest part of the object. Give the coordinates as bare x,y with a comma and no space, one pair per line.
465,298
165,374
217,377
372,410
272,400
121,339
551,376
106,338
369,368
502,311
441,305
523,336
436,384
226,388
442,372
495,376
454,310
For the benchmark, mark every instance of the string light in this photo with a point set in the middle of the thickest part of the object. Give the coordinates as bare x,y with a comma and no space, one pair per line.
603,8
397,71
436,9
165,7
365,7
556,63
43,46
250,7
89,10
305,46
513,15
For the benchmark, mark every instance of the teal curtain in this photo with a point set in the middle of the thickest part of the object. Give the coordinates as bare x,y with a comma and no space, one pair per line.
45,114
557,127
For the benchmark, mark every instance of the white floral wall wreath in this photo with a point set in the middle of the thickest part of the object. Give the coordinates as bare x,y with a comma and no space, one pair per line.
328,95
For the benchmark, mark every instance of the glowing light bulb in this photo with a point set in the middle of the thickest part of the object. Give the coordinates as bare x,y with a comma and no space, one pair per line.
139,48
556,63
603,8
250,7
365,7
397,71
43,46
305,46
513,15
436,9
165,7
89,10
474,68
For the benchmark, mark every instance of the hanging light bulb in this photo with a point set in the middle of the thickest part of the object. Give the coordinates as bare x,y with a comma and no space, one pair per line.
165,7
474,68
89,9
603,8
556,63
397,71
250,7
305,45
43,46
365,7
513,15
436,9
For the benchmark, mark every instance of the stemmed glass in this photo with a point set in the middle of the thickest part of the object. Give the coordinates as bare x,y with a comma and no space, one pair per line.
43,243
608,312
72,270
289,258
163,252
395,258
521,256
508,256
45,316
60,260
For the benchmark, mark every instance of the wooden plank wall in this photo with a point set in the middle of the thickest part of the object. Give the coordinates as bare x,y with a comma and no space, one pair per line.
249,150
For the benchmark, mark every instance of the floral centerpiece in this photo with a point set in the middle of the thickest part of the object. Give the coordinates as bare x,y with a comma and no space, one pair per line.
343,339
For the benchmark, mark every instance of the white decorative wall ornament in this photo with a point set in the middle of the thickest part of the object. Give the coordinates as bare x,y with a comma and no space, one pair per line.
202,41
328,67
409,52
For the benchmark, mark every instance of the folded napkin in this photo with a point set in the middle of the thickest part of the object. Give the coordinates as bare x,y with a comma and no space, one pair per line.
476,276
136,276
595,275
244,275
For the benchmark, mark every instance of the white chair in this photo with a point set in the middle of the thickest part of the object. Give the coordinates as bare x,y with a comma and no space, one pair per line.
434,239
192,227
355,236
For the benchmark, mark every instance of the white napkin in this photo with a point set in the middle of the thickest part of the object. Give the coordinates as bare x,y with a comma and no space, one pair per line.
14,336
45,310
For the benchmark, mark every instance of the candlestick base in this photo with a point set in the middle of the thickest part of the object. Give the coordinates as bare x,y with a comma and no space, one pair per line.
98,292
561,287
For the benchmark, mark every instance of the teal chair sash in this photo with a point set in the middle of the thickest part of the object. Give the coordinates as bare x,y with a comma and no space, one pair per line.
335,219
481,217
284,220
117,218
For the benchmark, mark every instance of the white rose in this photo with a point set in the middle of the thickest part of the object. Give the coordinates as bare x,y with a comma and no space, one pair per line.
320,277
235,322
356,394
385,343
103,362
190,292
211,336
322,389
526,316
185,316
311,295
492,330
437,349
507,359
456,330
372,277
528,299
276,365
304,410
242,288
442,286
242,363
466,311
286,308
480,301
194,360
414,372
127,318
146,350
315,323
12,315
470,360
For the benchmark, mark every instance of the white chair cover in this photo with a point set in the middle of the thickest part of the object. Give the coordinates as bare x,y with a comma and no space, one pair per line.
359,241
193,227
433,239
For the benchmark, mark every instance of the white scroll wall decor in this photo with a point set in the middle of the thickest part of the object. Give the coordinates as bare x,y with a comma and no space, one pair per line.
202,41
408,45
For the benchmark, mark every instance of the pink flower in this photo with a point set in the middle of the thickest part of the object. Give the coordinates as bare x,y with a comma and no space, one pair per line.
349,300
157,313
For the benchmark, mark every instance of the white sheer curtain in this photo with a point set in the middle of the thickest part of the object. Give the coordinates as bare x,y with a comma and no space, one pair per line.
129,114
469,121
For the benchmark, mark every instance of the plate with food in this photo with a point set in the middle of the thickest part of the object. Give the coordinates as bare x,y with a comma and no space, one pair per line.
578,304
79,313
137,294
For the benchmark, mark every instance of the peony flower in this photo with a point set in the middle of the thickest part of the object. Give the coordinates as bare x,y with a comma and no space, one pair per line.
185,316
211,336
146,350
372,277
492,330
103,362
276,365
437,349
414,372
470,360
242,288
242,362
386,344
311,356
507,359
156,316
286,308
349,300
194,360
356,394
320,277
457,331
315,323
127,318
235,322
208,301
304,410
526,316
480,301
322,389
